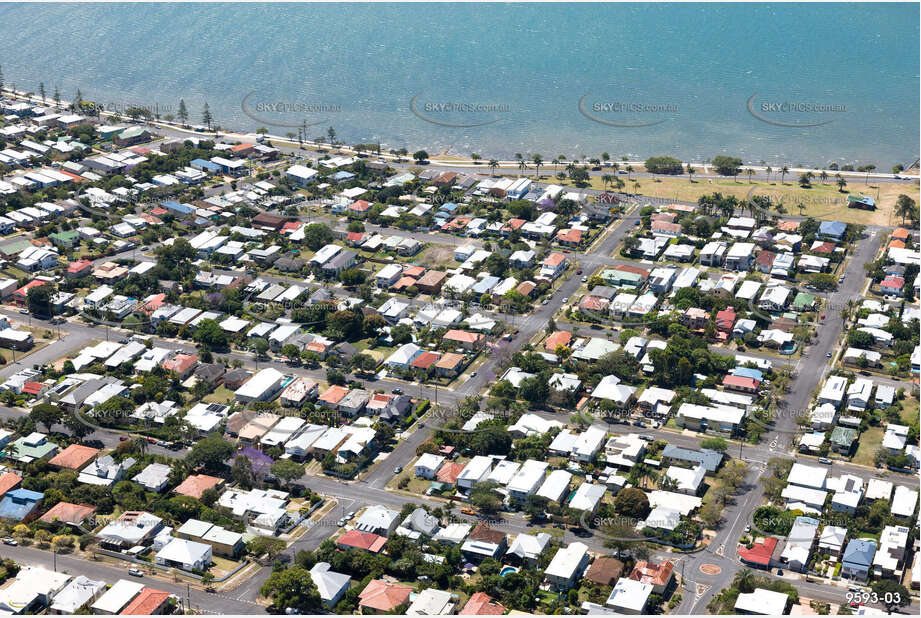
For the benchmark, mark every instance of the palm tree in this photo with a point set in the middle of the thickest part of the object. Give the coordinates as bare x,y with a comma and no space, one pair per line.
493,164
744,580
690,171
783,172
538,161
556,163
750,173
868,169
606,180
615,165
629,169
522,166
768,171
824,176
841,182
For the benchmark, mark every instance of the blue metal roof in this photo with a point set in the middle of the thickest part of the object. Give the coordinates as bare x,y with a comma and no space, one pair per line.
174,205
832,228
709,459
859,552
18,503
748,372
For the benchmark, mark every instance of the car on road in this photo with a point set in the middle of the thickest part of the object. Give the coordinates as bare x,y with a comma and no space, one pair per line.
10,541
565,300
579,272
350,515
748,528
779,572
24,311
841,278
825,460
396,391
648,437
341,522
152,440
398,469
123,340
122,438
136,572
544,302
828,355
473,375
584,279
145,247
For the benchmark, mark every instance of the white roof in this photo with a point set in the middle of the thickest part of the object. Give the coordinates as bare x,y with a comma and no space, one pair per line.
878,489
475,469
257,385
429,461
554,485
762,602
75,594
807,476
528,476
117,597
629,595
185,552
567,561
682,503
587,497
904,501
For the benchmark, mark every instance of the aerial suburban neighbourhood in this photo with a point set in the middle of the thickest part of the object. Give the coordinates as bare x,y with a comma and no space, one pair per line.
249,373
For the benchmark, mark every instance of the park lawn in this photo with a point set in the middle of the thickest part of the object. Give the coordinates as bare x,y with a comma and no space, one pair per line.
820,201
870,442
436,257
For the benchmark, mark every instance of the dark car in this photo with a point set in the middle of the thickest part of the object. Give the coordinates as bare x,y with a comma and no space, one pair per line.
396,391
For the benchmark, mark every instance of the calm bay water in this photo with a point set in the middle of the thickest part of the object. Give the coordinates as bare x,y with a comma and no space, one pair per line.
686,72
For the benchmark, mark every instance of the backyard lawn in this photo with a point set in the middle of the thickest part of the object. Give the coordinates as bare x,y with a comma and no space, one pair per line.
870,442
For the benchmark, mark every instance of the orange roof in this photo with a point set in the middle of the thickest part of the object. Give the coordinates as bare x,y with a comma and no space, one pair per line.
573,236
760,553
449,472
901,233
413,271
895,243
403,283
560,337
384,596
788,226
651,573
665,226
9,481
481,604
180,363
197,484
626,268
362,540
67,512
146,602
334,394
525,288
153,304
79,265
360,205
514,224
462,336
74,457
425,360
32,388
554,259
450,361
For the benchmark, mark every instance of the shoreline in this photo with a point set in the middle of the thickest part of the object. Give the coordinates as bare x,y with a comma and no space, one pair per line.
703,169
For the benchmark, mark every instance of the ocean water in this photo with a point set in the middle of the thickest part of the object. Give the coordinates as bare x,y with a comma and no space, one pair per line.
690,80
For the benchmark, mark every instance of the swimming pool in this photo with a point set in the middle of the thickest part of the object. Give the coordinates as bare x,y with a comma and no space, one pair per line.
506,570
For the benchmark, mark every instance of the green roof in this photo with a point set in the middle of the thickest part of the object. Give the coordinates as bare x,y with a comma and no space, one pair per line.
843,436
802,299
65,236
27,453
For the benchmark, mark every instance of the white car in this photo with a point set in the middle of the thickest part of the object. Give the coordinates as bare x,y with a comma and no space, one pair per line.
136,572
10,541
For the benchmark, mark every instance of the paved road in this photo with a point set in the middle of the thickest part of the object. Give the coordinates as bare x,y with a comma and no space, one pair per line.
208,603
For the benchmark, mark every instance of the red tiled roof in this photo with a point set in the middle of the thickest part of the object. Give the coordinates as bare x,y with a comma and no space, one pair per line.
24,290
560,337
823,247
355,236
514,224
360,205
525,288
74,457
32,388
573,236
626,268
449,472
651,573
593,303
760,553
9,481
554,260
425,360
893,282
741,382
362,540
79,265
413,271
901,233
197,484
462,336
180,363
766,258
663,226
334,394
481,604
146,602
384,596
66,512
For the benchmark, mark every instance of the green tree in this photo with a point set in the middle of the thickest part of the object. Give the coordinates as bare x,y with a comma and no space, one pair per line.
632,502
316,235
420,156
714,444
727,166
891,594
242,472
206,116
210,452
182,113
46,414
293,588
287,470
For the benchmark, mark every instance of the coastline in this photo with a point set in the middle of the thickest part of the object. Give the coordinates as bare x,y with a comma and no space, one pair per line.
703,169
